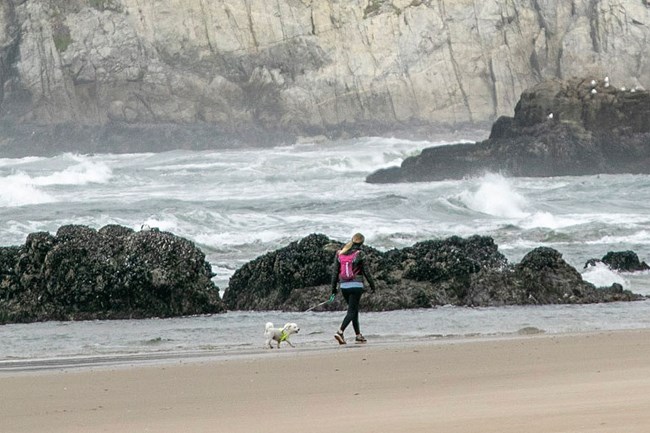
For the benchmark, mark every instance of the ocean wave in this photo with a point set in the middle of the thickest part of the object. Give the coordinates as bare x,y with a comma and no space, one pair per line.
234,240
82,173
190,167
19,190
641,237
350,156
13,162
494,194
548,220
386,153
600,275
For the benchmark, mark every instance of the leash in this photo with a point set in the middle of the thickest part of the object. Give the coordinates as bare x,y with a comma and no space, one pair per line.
331,299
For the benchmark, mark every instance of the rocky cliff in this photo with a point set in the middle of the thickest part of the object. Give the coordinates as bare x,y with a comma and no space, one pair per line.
97,73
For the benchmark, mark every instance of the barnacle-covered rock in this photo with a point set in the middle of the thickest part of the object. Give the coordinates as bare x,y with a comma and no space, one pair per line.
111,273
453,271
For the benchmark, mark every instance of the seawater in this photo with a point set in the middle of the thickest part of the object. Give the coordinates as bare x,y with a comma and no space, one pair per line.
238,204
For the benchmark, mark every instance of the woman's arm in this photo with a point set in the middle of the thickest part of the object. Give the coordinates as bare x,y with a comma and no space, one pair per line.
366,273
335,272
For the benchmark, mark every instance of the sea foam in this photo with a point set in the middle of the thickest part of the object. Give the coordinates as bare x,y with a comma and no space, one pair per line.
19,190
600,275
82,173
494,195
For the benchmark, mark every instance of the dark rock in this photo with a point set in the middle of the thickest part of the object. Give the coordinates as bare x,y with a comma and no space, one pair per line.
548,279
626,261
454,271
605,132
268,282
112,273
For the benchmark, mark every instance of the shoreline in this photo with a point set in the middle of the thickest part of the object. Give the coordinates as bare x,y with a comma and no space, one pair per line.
583,382
44,365
99,362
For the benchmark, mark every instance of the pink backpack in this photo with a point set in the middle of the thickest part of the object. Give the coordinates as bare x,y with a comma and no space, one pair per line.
347,270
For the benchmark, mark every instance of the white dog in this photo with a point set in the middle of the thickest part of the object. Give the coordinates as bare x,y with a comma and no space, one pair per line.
280,334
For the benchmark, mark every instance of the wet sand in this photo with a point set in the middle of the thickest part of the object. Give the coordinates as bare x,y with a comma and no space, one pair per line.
596,382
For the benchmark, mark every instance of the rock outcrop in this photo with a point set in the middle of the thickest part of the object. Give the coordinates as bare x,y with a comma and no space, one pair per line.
626,261
110,273
456,271
117,273
573,127
125,75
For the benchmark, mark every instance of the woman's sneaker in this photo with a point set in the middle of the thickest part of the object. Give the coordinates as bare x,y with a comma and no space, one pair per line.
360,339
339,337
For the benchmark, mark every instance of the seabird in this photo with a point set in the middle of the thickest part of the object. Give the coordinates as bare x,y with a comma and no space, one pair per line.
593,83
623,89
550,116
593,91
145,227
606,79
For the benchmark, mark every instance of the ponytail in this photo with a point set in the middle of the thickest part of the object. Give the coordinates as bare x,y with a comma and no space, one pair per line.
356,239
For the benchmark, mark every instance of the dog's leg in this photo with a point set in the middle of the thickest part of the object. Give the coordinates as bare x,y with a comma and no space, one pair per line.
289,343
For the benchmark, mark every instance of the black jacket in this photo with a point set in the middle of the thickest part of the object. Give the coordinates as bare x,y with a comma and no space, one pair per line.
359,262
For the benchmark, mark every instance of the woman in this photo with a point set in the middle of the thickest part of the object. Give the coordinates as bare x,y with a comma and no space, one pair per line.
347,272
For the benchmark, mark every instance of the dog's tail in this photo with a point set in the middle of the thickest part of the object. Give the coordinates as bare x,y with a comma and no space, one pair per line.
269,325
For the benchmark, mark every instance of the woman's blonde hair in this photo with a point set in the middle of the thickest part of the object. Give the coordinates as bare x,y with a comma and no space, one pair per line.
356,239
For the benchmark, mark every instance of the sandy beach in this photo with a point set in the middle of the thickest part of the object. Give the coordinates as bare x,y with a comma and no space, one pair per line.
597,382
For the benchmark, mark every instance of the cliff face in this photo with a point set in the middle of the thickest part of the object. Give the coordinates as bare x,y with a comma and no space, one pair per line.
302,66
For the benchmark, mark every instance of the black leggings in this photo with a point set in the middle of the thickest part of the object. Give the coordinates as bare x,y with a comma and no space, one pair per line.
352,297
